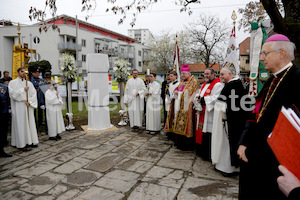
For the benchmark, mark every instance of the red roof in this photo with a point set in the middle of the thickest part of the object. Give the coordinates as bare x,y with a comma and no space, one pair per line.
65,19
244,46
200,67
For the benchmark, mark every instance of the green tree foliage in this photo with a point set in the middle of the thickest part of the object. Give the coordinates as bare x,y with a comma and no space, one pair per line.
43,66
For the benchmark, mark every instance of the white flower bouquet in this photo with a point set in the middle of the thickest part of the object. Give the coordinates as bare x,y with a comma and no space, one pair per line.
68,67
122,68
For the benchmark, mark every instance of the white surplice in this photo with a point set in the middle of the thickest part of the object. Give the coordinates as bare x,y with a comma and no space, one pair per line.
135,103
210,103
220,149
23,129
153,109
172,86
54,115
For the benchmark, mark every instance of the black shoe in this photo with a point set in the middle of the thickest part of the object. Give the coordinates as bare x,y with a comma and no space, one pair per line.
53,138
34,146
5,155
58,137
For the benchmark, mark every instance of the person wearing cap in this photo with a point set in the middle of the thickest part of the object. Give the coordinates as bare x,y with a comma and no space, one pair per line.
54,115
23,102
43,88
228,123
204,101
180,117
259,167
37,82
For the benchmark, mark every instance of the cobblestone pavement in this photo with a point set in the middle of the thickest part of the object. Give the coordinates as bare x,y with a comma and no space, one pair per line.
112,165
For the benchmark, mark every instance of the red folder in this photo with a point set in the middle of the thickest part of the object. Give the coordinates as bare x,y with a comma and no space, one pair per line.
285,140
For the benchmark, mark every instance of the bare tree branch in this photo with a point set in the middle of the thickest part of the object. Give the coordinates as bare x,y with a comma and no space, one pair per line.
208,36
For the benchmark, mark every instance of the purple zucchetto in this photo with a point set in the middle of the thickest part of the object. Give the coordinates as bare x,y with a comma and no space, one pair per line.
278,37
185,68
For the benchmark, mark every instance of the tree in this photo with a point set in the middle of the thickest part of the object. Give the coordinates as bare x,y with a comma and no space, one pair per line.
284,15
163,48
43,65
161,54
87,5
208,39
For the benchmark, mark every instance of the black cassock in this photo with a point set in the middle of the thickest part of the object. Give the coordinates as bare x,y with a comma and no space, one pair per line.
258,176
236,115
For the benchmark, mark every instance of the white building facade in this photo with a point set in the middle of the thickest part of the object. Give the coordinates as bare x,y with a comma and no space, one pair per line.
143,36
51,44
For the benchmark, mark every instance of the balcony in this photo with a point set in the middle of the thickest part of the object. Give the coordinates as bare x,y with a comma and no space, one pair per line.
69,46
126,55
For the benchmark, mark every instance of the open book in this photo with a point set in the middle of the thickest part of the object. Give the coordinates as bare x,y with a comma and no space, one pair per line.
285,139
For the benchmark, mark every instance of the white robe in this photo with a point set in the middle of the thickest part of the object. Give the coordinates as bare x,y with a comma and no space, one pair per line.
210,103
23,130
55,119
135,103
153,109
168,99
220,149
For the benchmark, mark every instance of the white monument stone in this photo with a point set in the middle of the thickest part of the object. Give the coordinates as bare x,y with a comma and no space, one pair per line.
98,92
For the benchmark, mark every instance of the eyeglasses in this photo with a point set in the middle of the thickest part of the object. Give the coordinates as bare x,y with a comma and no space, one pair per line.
265,53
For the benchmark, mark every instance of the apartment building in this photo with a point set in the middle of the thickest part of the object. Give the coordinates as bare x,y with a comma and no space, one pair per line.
51,44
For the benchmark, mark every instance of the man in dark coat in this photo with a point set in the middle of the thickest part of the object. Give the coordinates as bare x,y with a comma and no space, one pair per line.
231,100
259,169
164,92
4,118
37,82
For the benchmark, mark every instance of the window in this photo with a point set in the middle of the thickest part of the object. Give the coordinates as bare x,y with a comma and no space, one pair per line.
36,40
140,63
97,48
83,43
83,58
247,61
36,56
140,53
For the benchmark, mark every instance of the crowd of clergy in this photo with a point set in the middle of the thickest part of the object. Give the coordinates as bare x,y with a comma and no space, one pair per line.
190,117
221,122
211,116
27,103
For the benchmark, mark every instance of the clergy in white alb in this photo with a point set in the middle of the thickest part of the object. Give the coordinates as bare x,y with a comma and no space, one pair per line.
153,112
134,99
23,130
54,115
204,104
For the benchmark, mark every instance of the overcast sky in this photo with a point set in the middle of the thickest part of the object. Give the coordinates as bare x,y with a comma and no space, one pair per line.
161,17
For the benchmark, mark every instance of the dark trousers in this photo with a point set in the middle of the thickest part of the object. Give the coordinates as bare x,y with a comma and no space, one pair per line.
39,117
204,150
4,121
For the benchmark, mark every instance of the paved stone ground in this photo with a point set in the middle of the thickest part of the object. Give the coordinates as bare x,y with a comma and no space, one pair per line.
111,165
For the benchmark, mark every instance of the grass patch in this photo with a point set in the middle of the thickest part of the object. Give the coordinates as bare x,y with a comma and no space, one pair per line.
80,111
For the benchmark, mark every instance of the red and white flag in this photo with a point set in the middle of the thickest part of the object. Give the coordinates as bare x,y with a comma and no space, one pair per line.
232,55
176,60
